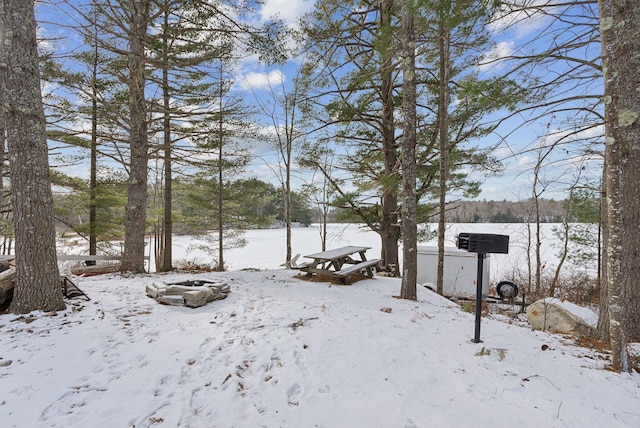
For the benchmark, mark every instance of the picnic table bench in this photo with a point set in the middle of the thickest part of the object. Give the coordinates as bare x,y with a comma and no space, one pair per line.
339,262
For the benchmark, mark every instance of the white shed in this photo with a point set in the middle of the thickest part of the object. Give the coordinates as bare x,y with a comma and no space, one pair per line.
460,271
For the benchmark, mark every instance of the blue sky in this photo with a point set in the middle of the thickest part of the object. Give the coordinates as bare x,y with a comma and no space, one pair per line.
523,148
519,150
519,147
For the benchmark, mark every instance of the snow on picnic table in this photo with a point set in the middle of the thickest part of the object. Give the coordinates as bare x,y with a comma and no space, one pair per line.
284,352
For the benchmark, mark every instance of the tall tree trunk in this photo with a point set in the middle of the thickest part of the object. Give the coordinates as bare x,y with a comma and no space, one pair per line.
167,221
93,179
389,227
287,192
323,226
620,30
37,283
565,238
3,133
167,195
134,230
220,266
290,115
538,242
443,133
409,201
529,250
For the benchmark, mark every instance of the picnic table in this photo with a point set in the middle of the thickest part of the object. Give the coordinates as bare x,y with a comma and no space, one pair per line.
339,262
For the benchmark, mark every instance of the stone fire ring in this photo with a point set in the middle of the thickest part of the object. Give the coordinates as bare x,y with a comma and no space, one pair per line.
188,293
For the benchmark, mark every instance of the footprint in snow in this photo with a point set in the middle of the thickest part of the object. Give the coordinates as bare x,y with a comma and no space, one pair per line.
72,401
324,389
300,362
293,394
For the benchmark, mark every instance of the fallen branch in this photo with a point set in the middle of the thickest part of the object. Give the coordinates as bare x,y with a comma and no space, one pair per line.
527,379
301,322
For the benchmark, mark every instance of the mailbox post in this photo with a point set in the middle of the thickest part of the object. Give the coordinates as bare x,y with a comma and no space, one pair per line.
482,244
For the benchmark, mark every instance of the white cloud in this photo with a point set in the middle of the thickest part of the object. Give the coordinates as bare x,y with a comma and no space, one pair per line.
287,10
522,17
253,80
595,132
498,51
526,161
504,152
567,136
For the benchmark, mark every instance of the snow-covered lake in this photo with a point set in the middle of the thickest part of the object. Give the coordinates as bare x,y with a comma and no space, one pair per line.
266,248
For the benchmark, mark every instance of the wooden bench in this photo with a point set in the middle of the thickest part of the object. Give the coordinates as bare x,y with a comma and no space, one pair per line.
346,272
291,264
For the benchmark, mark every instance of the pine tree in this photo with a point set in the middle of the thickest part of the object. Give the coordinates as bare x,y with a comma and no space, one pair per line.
37,283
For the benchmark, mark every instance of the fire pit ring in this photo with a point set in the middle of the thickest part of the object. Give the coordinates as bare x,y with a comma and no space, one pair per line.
191,293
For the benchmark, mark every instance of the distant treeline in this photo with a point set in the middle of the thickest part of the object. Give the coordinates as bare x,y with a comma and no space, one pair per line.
551,211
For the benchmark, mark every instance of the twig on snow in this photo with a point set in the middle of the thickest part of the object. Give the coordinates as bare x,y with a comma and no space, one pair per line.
528,378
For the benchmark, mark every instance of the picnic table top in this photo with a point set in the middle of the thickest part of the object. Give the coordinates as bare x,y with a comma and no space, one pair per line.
337,253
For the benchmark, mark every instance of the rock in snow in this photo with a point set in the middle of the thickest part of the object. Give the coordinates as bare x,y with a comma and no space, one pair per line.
563,317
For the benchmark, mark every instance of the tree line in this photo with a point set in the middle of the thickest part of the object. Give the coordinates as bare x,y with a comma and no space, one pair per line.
248,204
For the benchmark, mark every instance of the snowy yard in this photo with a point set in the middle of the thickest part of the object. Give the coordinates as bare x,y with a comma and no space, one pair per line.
282,351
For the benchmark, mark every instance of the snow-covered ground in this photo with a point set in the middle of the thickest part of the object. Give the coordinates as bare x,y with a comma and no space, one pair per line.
281,351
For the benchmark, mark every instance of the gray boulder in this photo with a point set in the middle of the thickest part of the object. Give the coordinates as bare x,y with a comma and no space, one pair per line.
562,317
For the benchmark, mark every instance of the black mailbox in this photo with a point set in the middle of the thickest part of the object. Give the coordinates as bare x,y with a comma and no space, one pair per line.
483,243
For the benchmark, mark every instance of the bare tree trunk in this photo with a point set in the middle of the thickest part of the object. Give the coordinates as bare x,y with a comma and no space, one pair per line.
134,231
409,202
93,179
288,207
323,227
389,228
620,29
443,131
389,233
37,283
220,266
563,257
536,206
564,252
290,115
167,220
3,133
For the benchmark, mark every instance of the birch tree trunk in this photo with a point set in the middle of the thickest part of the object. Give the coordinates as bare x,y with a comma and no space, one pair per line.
620,30
37,285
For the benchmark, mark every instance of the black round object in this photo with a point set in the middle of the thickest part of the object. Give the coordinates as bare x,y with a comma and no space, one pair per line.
507,290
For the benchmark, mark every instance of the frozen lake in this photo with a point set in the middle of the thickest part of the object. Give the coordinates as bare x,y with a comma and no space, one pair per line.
266,248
